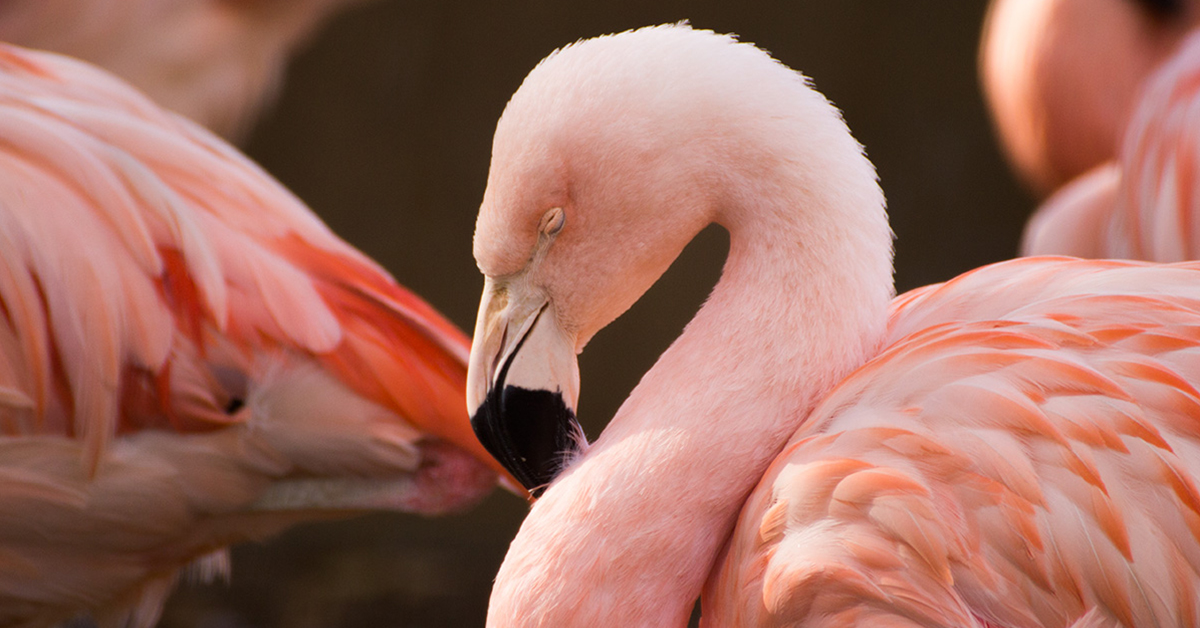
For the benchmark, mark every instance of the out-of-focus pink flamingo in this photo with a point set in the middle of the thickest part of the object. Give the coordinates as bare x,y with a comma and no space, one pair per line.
1017,447
215,61
1062,77
189,357
1146,204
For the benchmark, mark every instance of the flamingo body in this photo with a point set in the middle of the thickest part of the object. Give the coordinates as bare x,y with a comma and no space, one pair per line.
188,357
1015,447
1021,453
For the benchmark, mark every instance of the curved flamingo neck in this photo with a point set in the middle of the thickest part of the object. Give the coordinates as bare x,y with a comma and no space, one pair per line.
628,533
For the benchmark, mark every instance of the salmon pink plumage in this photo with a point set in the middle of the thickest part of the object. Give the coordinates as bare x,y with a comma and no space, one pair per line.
189,357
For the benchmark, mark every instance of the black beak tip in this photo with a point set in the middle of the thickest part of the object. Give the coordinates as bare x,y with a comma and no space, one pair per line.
531,432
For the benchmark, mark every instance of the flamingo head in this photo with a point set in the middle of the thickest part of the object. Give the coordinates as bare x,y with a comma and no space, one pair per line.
604,166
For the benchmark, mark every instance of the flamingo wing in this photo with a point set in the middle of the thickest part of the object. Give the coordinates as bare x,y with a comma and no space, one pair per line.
1160,158
1025,451
188,356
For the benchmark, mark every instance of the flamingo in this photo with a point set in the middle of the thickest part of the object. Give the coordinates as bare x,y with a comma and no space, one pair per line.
189,358
1143,204
1019,446
1062,77
216,61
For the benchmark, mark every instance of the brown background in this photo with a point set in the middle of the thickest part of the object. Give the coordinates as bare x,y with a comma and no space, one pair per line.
384,128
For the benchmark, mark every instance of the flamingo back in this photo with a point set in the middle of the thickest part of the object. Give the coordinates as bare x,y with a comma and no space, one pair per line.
1025,451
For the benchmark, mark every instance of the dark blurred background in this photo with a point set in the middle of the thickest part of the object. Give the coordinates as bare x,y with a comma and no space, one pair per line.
384,128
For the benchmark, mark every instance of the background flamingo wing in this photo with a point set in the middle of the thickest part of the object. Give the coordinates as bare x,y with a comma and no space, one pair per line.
188,356
1159,204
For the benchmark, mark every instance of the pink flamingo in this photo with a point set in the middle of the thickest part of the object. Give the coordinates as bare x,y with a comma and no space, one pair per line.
1143,205
215,61
1062,77
189,357
1017,447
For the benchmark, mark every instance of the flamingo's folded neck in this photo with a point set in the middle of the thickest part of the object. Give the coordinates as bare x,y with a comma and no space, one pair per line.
628,532
801,303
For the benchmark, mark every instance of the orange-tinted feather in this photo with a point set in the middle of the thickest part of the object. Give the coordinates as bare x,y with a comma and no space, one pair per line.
998,463
189,357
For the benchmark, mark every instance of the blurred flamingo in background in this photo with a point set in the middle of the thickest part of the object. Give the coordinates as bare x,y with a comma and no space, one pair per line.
1019,446
1062,77
215,61
1146,203
1096,102
189,357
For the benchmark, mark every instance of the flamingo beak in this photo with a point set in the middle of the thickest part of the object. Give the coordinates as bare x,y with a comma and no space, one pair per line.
523,384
